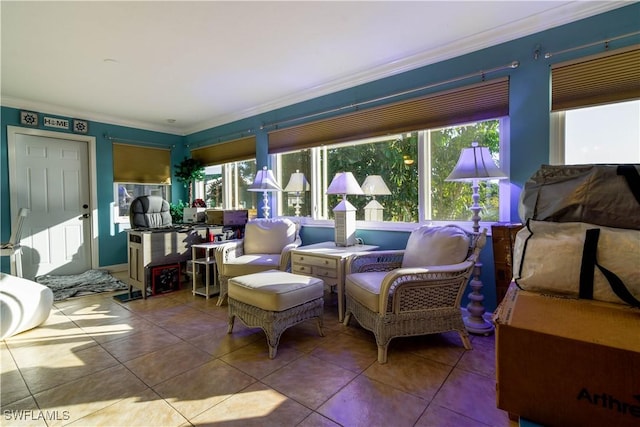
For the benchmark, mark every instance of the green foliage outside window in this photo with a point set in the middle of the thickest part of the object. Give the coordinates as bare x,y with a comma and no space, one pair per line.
449,200
386,159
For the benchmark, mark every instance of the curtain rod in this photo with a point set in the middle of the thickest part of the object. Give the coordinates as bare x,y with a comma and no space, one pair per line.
584,46
223,138
136,141
513,64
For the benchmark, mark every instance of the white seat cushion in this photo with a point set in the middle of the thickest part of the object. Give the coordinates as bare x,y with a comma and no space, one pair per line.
248,264
435,246
24,304
275,290
365,288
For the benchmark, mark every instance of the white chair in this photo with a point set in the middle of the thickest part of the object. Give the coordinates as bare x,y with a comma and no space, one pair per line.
12,248
266,246
416,291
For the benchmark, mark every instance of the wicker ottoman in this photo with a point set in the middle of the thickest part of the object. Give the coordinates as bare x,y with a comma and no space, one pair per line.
275,300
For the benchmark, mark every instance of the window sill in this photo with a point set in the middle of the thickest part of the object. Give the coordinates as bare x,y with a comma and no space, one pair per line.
388,225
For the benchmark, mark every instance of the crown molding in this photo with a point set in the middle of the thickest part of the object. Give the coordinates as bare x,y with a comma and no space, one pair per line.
57,110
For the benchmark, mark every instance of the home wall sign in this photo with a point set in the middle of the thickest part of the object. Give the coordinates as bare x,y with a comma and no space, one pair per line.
52,122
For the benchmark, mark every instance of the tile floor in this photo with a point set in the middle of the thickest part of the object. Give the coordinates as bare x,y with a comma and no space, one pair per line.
168,361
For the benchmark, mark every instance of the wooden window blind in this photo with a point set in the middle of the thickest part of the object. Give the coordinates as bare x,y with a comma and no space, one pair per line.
225,152
614,77
144,165
476,102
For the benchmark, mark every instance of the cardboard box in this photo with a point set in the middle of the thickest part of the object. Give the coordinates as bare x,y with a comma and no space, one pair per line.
567,362
227,217
192,215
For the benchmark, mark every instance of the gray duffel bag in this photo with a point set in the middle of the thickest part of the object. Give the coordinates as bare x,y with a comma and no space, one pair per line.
607,195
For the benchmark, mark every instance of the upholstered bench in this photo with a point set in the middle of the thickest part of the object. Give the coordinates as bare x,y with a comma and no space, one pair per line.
275,300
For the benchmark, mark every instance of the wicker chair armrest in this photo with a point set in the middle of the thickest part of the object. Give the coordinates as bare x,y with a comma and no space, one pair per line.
457,274
228,251
285,255
374,261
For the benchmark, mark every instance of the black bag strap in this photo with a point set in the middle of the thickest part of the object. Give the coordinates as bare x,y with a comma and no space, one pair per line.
631,175
588,266
618,287
587,272
517,275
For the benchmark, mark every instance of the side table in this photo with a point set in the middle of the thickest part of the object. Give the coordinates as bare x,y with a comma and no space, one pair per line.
209,261
326,261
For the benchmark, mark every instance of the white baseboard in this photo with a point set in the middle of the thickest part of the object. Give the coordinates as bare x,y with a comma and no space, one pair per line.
116,268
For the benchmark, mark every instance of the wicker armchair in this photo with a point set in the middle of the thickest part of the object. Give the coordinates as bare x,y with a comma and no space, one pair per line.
266,246
416,291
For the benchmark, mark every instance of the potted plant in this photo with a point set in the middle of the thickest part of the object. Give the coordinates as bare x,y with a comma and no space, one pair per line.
177,211
188,171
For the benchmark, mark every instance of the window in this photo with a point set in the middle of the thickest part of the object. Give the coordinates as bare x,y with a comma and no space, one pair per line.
450,201
595,108
401,160
133,178
289,163
597,134
225,186
125,192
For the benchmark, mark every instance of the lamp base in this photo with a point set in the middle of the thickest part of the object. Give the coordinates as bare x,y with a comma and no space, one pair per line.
477,326
265,205
475,322
345,224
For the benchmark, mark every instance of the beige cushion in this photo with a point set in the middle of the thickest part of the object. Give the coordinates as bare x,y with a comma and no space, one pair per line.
248,264
435,246
268,236
365,288
275,290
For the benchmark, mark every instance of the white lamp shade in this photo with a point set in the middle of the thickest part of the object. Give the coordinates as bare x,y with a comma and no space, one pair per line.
264,181
344,183
475,163
297,183
374,185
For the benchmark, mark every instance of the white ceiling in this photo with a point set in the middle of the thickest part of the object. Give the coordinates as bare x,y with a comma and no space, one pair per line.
182,66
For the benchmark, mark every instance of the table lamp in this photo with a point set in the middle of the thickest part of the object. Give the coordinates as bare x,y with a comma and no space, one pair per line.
345,213
297,184
476,164
373,186
265,182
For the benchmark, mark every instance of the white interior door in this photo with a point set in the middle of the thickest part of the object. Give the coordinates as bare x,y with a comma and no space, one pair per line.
49,174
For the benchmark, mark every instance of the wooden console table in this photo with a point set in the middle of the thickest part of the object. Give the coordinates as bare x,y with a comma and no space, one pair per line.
326,261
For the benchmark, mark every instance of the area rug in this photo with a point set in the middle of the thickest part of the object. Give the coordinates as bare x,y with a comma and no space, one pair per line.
88,283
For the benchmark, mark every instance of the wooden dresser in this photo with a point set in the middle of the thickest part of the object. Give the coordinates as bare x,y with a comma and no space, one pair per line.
503,236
